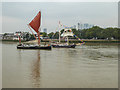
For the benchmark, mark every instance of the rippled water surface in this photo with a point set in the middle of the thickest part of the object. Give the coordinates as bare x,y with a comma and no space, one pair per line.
87,66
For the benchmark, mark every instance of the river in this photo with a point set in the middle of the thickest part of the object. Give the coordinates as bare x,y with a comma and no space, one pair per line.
86,66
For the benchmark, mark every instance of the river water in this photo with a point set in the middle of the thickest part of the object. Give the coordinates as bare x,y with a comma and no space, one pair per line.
86,66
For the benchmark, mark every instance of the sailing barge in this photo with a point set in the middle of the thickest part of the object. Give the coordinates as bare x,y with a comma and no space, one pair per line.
66,34
35,25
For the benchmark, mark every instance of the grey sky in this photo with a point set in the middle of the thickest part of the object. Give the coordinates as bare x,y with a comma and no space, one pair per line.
16,16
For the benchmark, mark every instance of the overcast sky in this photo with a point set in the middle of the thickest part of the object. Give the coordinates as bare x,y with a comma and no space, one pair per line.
16,16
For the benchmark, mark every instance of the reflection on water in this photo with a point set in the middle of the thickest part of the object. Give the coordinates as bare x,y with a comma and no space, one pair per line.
36,71
87,66
19,55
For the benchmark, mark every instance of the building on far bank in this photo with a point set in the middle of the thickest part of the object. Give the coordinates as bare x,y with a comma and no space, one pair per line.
79,26
45,30
8,36
1,36
70,27
15,36
82,26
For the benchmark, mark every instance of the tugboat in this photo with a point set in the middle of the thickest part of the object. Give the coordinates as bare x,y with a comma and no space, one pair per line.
66,34
35,25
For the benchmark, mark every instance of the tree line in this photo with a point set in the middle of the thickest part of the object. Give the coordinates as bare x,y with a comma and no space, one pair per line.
95,32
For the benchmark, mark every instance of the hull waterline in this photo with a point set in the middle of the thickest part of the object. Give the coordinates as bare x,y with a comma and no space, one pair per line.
63,46
35,47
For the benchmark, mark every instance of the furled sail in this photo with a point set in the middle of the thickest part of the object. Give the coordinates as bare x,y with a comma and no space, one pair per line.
67,32
35,23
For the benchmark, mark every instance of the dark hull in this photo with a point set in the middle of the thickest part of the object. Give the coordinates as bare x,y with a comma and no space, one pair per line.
35,47
64,46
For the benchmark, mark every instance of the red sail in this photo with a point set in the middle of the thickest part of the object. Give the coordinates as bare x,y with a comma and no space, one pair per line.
35,23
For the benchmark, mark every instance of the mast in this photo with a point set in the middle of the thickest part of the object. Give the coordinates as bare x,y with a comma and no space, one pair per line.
19,39
59,36
39,31
59,31
67,41
39,38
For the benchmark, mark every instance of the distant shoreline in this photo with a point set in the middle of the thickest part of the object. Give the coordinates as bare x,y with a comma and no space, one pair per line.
11,41
87,41
71,41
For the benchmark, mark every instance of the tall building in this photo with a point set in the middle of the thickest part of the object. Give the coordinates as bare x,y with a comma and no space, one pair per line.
74,26
78,26
84,26
81,26
45,30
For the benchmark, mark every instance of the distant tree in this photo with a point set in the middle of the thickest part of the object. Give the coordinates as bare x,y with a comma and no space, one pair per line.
61,31
94,32
4,34
50,35
116,33
27,36
44,34
32,37
56,35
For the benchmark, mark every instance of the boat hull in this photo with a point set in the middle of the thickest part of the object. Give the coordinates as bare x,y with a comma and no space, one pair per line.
34,47
63,46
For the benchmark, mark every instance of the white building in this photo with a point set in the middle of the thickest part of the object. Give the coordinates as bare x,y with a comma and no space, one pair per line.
8,36
1,36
